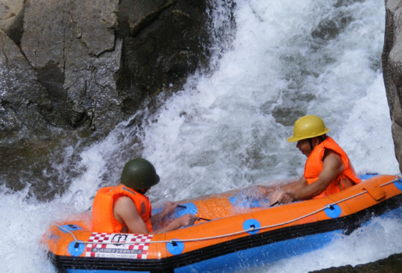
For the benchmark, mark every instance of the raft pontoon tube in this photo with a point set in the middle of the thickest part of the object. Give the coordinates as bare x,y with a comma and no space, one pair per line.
242,232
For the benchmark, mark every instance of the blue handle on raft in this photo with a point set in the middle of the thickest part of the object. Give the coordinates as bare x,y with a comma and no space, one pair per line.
367,176
187,208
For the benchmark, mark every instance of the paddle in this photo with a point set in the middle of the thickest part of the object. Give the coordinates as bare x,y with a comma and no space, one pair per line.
273,204
205,219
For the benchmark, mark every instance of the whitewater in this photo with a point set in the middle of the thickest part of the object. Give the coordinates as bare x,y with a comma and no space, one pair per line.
227,128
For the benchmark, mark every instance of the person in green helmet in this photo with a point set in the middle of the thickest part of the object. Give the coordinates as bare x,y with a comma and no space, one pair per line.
125,208
328,169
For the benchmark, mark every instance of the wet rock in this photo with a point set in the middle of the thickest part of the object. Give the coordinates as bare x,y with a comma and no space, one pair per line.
74,69
11,19
97,61
392,70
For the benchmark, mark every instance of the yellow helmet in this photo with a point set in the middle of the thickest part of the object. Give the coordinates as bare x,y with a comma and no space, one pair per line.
308,127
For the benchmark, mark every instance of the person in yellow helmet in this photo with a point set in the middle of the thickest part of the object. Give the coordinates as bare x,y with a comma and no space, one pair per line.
328,169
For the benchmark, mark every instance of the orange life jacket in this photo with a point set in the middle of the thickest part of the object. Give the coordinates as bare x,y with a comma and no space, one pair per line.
103,219
314,166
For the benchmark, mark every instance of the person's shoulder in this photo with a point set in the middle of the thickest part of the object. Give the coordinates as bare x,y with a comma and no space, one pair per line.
330,152
124,200
332,157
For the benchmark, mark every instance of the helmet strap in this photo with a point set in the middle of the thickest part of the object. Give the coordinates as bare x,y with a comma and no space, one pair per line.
320,139
311,144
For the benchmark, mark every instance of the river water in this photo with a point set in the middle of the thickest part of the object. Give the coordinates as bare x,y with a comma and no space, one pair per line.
228,127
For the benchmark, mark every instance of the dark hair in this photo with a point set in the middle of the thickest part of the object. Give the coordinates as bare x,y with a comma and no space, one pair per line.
323,137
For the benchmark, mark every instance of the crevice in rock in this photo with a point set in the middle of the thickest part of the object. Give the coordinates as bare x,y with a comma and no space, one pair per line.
147,19
16,30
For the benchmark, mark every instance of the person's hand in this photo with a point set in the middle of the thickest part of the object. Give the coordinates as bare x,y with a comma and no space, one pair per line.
275,196
286,197
183,221
169,207
187,220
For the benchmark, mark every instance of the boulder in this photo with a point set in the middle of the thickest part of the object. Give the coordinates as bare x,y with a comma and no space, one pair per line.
392,70
78,68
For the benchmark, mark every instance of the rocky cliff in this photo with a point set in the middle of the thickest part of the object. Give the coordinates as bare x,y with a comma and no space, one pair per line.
90,64
77,68
392,70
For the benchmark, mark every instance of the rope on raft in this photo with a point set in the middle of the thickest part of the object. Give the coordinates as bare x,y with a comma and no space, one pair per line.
173,241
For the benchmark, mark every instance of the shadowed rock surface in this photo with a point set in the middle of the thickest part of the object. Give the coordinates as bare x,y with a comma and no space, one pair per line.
74,69
392,70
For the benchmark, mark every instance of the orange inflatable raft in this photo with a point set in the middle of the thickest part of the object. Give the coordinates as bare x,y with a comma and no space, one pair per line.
238,230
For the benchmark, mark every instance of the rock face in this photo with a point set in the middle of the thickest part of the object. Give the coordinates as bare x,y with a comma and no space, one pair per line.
80,67
392,70
89,64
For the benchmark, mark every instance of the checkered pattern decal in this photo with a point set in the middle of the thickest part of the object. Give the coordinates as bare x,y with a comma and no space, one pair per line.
117,245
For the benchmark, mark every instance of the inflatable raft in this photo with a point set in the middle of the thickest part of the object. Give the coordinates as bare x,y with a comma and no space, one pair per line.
237,230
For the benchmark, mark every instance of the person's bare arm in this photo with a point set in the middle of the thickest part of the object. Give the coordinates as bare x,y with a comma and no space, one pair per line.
295,185
333,166
268,191
126,213
183,221
285,195
167,209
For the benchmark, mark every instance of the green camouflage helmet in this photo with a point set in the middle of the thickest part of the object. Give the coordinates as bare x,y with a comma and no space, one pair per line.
139,174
